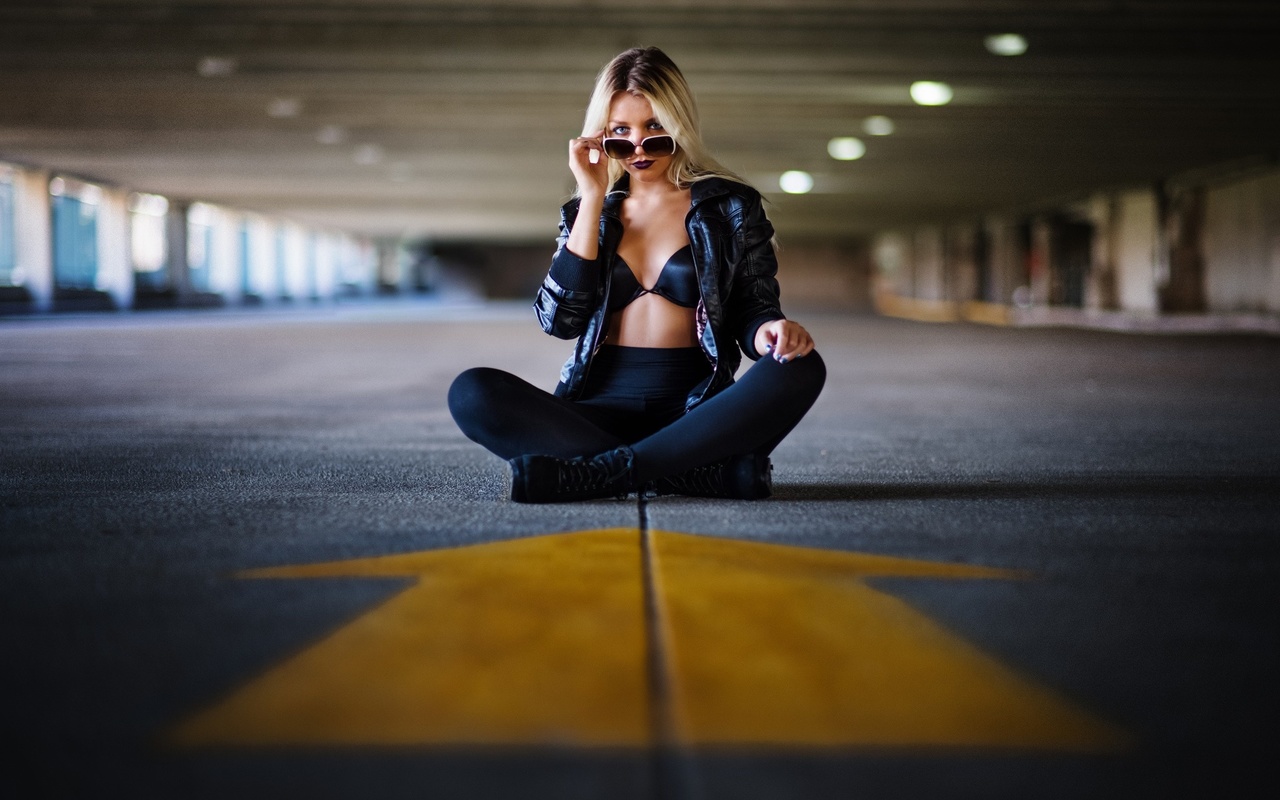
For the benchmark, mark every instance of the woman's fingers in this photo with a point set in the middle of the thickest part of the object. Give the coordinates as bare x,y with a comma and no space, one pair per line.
783,340
792,342
586,160
589,147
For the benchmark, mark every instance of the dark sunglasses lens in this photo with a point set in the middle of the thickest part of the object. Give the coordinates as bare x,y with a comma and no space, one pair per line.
659,146
618,148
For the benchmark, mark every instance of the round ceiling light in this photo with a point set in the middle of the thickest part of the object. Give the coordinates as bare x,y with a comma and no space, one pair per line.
878,126
795,181
1006,44
846,148
931,93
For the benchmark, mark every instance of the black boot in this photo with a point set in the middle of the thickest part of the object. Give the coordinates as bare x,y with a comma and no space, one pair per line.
547,479
748,477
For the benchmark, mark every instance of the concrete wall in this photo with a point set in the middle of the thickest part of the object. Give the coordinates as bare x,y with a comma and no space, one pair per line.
1242,245
828,277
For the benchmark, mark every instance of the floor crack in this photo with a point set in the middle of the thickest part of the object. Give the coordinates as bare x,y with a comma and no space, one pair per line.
672,769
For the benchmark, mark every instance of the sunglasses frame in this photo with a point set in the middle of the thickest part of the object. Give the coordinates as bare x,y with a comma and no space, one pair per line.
605,145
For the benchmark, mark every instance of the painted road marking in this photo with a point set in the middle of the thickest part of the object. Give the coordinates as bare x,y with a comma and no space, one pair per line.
542,641
530,640
790,646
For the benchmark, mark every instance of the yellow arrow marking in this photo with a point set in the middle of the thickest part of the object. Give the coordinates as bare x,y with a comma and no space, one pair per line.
788,646
542,641
531,640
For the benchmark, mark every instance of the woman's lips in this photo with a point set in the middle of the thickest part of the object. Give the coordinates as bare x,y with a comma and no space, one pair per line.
642,164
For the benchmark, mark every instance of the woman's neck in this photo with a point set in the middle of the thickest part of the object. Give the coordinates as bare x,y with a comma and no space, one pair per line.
649,190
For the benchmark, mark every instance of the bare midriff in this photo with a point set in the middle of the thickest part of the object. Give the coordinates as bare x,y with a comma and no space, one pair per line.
653,321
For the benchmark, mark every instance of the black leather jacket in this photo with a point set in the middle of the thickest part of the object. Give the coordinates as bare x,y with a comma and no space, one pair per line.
732,255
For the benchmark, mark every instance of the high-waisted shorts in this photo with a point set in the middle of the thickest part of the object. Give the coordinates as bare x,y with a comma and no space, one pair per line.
651,385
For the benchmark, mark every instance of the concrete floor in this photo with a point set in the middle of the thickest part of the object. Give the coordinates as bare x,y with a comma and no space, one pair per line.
145,459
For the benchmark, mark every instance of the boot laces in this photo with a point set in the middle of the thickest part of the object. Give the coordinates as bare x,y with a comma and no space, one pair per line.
593,476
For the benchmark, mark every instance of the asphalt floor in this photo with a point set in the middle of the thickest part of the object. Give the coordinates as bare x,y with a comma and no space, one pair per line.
998,563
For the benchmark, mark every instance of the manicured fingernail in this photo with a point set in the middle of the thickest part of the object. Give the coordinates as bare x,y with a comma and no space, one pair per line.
782,360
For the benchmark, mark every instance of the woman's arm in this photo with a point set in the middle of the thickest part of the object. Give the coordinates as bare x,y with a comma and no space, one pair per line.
753,298
568,293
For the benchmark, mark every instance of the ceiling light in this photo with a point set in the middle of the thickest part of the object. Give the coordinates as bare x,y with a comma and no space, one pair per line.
931,93
1006,44
846,148
331,134
795,181
216,66
878,126
284,107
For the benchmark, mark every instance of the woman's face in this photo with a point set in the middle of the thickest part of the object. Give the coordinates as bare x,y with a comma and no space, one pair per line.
631,117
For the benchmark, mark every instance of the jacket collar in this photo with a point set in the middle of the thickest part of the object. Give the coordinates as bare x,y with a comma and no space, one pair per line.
699,192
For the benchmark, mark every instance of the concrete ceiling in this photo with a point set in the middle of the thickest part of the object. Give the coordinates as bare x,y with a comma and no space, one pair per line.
449,120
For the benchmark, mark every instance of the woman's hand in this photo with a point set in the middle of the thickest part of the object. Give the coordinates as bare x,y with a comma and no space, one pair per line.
592,176
784,340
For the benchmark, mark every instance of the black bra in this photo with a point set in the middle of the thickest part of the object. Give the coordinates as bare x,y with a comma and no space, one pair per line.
678,282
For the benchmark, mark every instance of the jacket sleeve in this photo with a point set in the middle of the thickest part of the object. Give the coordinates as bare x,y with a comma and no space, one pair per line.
569,293
753,298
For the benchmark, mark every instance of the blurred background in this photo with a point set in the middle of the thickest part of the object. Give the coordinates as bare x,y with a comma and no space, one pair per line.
991,160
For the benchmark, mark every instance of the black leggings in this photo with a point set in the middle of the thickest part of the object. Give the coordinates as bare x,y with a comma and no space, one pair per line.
636,396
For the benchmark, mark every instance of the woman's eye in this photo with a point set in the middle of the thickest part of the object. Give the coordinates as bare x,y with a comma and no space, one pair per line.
655,126
620,131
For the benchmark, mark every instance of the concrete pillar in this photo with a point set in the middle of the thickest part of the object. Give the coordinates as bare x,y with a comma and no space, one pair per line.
927,251
115,266
33,235
325,269
1182,238
175,230
391,272
261,266
1135,227
1006,261
297,282
1101,290
1039,262
891,260
960,266
224,255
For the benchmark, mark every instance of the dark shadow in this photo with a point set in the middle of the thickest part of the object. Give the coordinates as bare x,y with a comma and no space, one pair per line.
1103,486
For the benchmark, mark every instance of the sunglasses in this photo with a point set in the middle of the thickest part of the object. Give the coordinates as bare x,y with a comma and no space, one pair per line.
653,146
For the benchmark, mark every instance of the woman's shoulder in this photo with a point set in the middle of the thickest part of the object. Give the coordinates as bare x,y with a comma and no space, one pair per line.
717,186
729,199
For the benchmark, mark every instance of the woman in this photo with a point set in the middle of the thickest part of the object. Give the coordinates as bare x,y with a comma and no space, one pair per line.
664,268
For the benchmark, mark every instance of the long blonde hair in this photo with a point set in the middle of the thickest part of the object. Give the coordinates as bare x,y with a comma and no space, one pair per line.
649,73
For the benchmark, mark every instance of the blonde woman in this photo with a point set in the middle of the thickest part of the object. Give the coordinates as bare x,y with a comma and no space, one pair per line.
664,270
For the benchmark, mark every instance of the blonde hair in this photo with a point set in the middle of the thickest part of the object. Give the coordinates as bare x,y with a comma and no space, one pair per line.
649,73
